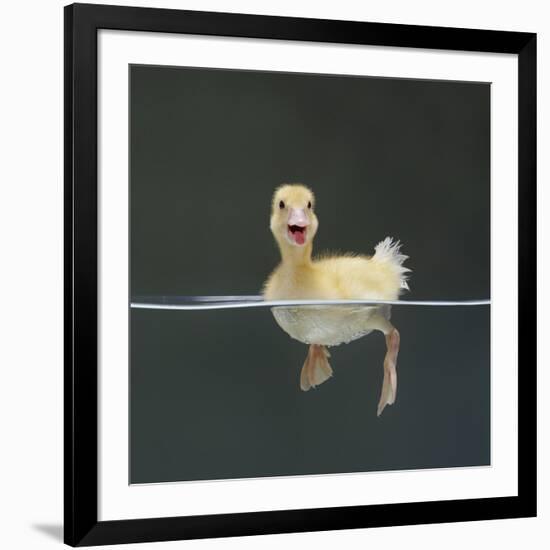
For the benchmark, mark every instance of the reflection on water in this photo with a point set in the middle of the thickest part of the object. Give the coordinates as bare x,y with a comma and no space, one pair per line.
238,302
325,322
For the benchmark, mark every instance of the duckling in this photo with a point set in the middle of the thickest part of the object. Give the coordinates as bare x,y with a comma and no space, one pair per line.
337,277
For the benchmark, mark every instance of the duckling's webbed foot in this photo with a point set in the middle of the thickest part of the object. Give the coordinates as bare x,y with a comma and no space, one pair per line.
389,385
316,368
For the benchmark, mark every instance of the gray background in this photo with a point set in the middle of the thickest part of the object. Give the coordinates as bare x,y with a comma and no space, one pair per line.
216,394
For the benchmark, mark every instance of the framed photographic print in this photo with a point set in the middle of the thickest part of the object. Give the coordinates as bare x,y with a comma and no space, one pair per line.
299,274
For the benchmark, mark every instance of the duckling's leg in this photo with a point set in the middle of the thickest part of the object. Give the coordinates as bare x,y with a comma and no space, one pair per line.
316,368
389,384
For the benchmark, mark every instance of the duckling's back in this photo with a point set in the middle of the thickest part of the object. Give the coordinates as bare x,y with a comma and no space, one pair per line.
380,277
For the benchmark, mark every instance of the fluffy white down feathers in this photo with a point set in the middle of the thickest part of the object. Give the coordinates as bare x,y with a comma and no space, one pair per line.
389,251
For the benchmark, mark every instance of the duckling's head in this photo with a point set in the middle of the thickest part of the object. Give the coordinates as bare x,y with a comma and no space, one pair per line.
293,220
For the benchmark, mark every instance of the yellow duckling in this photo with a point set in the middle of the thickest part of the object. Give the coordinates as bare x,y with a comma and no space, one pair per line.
345,277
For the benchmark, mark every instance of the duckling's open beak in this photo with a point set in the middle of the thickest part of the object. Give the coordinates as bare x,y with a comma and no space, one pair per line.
297,225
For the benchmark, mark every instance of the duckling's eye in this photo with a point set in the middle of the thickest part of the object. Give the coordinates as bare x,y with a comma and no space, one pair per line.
309,205
281,205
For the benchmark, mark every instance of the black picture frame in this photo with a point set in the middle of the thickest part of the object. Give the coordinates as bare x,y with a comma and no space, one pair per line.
81,25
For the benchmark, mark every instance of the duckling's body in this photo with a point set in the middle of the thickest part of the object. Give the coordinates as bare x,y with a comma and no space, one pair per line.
347,277
343,277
